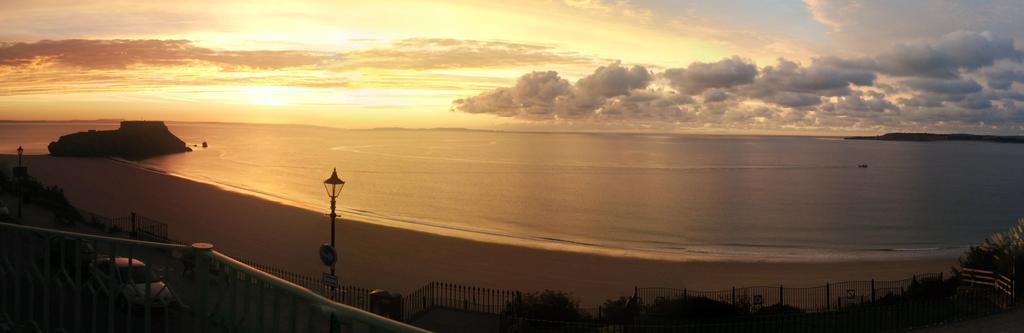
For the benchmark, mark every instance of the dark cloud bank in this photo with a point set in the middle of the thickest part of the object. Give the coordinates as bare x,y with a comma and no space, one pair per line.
965,80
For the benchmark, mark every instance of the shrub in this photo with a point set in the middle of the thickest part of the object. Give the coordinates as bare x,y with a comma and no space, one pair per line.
550,305
780,309
931,288
1002,253
694,307
619,311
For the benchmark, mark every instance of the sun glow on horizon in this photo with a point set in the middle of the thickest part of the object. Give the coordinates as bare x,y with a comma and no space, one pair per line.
268,95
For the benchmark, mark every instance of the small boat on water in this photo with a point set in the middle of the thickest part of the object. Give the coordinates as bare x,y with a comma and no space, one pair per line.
862,166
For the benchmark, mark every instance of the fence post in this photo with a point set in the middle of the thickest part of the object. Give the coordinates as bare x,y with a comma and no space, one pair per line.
872,290
780,297
734,296
828,297
202,274
134,234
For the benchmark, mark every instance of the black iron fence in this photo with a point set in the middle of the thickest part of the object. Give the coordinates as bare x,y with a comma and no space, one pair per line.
349,295
827,297
458,297
136,226
868,317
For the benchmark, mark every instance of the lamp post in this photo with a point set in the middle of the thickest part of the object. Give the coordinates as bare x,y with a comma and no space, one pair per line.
17,181
333,186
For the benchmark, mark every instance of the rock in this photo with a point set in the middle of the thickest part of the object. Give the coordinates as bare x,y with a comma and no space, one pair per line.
135,140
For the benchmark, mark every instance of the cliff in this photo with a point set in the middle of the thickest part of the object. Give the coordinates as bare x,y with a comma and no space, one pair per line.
133,140
940,137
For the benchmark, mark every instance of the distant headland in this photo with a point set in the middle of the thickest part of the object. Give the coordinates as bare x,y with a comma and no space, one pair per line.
133,140
925,137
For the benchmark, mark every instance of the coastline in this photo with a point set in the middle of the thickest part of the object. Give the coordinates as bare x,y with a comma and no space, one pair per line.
399,259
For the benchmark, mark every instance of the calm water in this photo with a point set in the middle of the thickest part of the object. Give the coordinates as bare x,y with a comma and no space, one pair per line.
677,196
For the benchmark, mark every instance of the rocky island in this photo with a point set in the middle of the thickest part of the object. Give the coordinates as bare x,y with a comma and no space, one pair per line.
134,140
925,137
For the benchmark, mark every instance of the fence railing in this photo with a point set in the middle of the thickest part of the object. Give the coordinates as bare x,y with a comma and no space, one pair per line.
996,281
136,226
879,317
430,296
457,297
828,297
349,295
54,281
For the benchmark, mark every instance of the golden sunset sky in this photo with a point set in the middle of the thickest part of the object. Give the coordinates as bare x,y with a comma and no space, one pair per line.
815,65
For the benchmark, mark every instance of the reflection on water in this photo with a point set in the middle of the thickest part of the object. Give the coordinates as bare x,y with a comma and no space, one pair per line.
726,197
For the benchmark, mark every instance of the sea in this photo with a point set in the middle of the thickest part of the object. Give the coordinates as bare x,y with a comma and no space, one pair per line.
664,196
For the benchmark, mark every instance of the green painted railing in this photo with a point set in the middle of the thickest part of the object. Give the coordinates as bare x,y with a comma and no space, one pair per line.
59,281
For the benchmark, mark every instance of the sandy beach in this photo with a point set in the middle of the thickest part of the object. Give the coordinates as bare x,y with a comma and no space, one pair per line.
401,260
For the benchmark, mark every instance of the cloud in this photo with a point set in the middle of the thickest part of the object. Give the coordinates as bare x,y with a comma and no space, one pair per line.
1003,75
922,101
437,53
120,54
908,87
858,25
614,80
954,51
865,101
943,86
417,53
790,84
611,91
715,95
699,76
535,95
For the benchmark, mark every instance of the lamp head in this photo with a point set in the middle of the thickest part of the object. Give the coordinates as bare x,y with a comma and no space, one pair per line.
334,184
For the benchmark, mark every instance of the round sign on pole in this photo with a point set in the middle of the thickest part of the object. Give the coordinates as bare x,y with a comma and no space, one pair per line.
327,255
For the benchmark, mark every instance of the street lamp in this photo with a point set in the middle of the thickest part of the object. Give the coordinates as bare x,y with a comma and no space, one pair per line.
18,175
333,186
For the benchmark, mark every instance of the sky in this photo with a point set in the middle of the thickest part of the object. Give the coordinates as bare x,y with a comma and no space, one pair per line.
768,66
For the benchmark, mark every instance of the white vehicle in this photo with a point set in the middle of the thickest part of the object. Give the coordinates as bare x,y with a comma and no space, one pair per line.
128,279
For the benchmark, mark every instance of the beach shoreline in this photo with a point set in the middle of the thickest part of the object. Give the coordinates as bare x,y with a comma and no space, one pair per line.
399,259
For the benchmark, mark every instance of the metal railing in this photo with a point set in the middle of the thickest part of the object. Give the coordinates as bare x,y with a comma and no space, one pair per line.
972,276
457,297
57,281
134,225
828,297
879,317
355,296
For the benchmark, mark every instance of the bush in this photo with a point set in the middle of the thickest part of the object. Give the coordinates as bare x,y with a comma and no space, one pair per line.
694,307
619,311
550,305
931,288
1002,253
780,309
